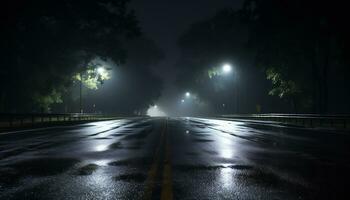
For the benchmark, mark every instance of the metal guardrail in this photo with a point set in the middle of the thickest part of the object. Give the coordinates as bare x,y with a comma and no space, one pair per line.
307,120
19,120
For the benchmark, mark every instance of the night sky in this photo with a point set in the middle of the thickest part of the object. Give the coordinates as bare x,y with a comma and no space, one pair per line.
165,21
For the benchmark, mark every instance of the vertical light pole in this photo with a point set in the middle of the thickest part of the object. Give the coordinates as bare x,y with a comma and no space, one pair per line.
99,71
81,93
226,69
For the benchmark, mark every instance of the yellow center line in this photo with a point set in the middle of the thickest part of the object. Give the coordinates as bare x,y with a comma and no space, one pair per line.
152,173
167,187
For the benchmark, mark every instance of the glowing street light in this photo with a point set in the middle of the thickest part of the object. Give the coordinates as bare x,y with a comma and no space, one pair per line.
101,74
227,68
188,94
101,70
155,106
182,100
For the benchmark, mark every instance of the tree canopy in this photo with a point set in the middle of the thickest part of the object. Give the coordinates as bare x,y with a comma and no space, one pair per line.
47,43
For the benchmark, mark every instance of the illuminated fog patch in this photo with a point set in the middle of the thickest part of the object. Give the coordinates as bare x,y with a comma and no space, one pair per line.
155,111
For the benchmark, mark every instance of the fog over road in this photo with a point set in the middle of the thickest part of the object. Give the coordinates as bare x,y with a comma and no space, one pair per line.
179,158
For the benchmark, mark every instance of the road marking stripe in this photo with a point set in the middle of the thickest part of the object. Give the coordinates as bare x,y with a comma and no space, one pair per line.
152,173
167,187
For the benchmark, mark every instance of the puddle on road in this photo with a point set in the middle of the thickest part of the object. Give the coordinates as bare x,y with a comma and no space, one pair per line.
102,138
134,161
87,169
240,167
211,152
140,135
200,126
118,134
199,134
44,166
134,177
116,145
202,140
39,167
131,146
216,167
105,131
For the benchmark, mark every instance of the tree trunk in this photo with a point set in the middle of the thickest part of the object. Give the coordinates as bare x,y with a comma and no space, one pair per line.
315,102
2,102
324,74
294,106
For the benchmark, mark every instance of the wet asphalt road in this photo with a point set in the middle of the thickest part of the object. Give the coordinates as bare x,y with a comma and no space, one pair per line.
174,158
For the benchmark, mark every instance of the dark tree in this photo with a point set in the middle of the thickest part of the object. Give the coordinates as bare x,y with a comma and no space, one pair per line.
305,41
46,42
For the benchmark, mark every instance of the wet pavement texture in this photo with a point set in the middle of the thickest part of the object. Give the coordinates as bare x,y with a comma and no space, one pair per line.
174,158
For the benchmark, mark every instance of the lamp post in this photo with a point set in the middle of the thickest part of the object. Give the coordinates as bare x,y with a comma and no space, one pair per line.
81,93
227,69
99,71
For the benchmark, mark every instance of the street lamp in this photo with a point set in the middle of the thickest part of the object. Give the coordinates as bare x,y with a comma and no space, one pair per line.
101,70
81,93
226,68
188,94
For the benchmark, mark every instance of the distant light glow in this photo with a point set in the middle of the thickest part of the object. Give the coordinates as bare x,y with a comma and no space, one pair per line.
155,111
101,70
188,94
227,68
182,100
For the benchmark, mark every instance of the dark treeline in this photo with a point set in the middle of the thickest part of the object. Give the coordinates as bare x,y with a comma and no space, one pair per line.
287,56
44,44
